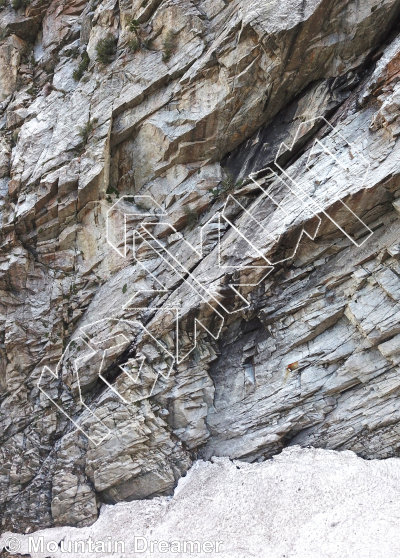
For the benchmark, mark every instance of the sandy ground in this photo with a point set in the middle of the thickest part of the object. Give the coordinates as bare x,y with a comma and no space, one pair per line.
304,503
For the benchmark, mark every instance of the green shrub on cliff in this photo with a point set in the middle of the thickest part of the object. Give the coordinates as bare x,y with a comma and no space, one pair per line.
169,45
105,49
17,4
82,67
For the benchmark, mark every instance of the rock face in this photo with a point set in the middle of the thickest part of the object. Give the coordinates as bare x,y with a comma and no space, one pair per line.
199,242
308,503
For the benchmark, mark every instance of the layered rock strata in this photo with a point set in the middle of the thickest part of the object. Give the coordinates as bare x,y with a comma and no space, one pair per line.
271,129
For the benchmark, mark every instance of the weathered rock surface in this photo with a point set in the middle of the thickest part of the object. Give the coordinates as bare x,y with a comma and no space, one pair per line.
304,503
191,98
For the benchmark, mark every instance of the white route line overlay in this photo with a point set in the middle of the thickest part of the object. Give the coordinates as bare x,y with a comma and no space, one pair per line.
306,203
55,375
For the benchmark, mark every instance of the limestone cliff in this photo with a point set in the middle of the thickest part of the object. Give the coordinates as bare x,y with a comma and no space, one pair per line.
199,241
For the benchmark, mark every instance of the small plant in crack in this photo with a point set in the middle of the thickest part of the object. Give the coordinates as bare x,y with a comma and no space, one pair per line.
134,27
147,43
229,184
134,45
82,67
111,191
74,53
14,137
225,187
86,131
192,217
169,45
106,49
17,4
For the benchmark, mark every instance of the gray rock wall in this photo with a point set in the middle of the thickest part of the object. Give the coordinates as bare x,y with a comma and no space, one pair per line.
188,100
